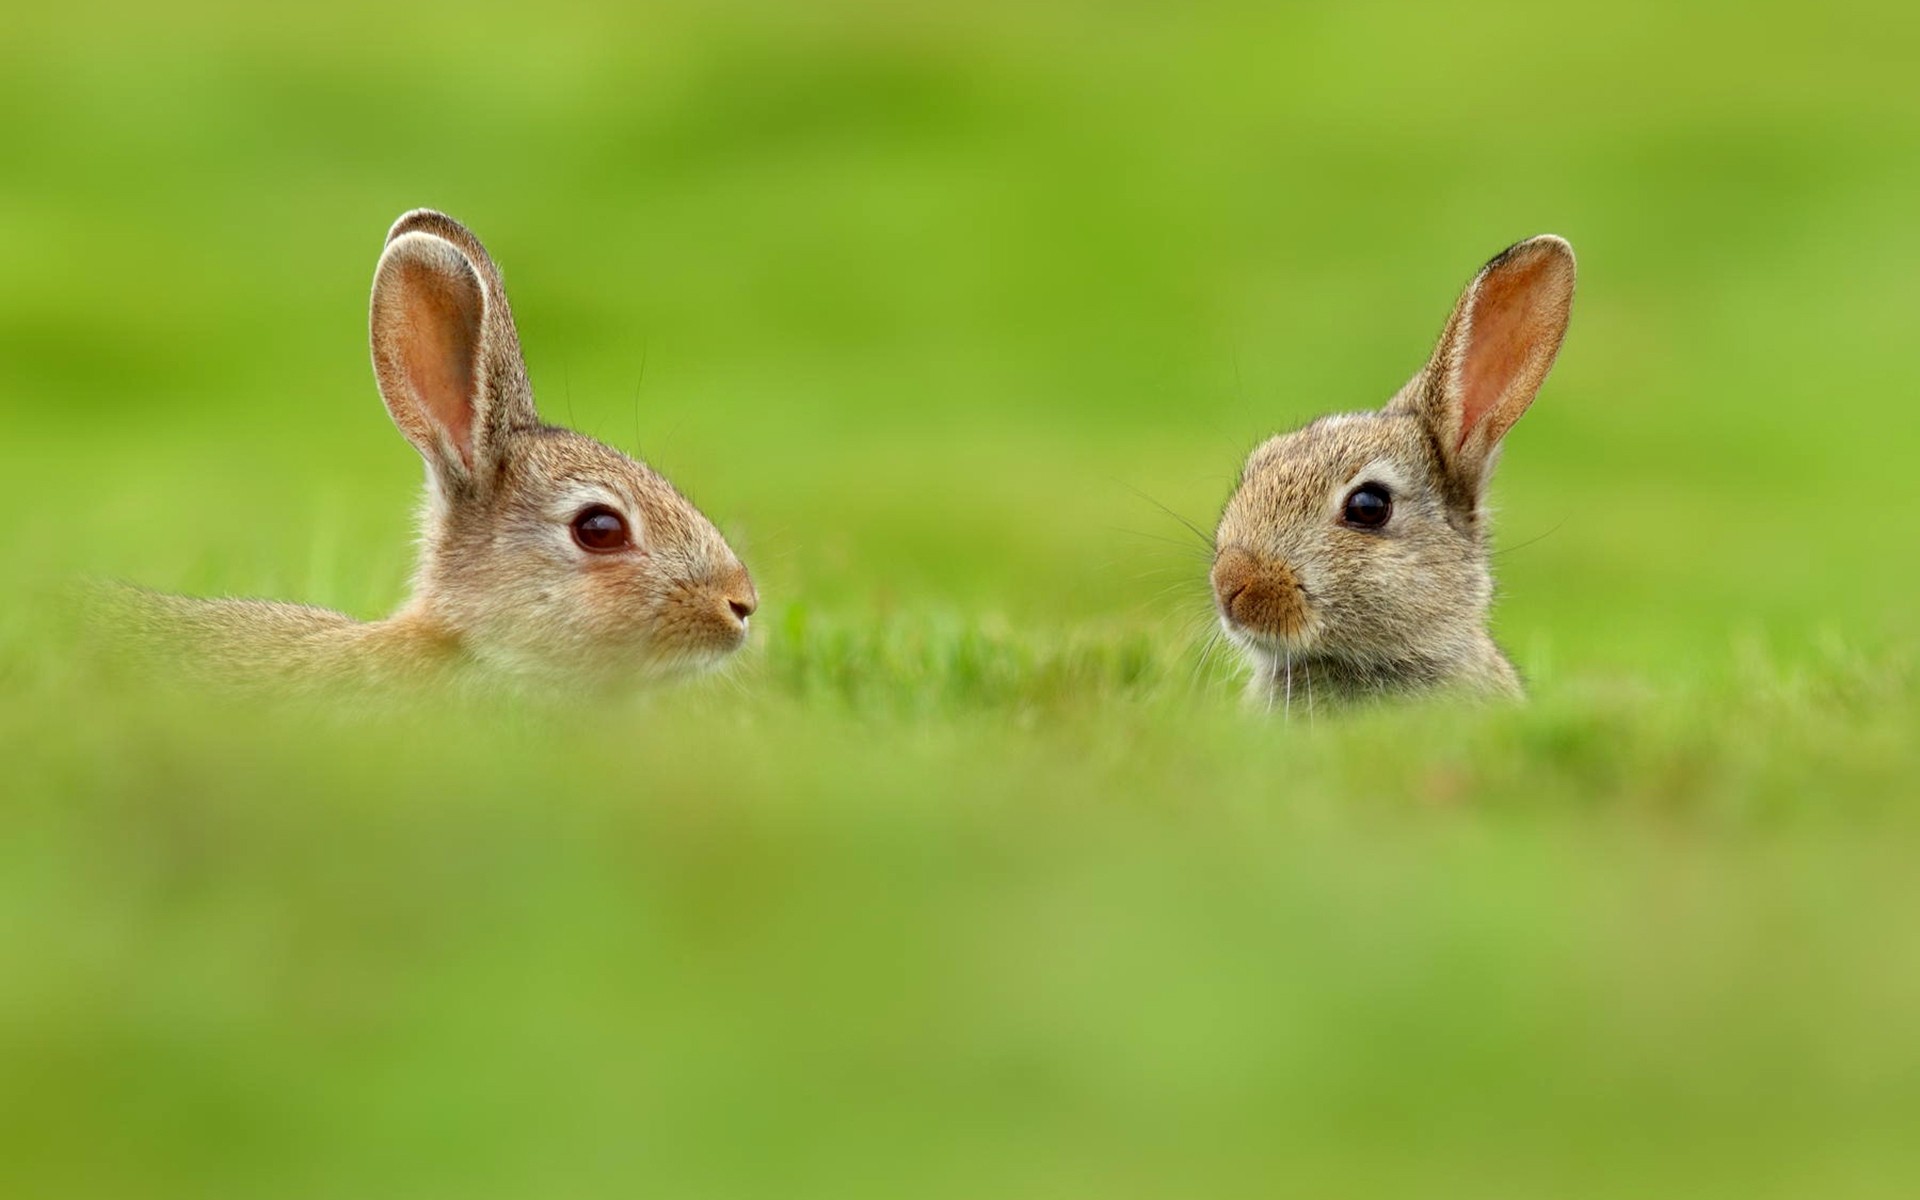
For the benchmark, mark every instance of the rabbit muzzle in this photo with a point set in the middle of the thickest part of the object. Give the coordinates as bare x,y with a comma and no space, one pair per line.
1259,595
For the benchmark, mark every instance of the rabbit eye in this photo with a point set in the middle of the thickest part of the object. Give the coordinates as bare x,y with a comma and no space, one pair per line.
1368,506
600,529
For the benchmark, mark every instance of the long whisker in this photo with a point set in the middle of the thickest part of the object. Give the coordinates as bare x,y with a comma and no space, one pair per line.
1197,532
1289,709
1199,664
1530,541
1205,552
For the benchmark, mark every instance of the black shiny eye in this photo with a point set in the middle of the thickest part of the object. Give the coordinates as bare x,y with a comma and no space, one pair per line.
1368,506
600,529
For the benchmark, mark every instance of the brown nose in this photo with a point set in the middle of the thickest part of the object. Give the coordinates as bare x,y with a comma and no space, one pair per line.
1257,593
741,598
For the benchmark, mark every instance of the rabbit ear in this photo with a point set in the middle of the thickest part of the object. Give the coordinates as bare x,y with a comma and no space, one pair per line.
1494,354
444,348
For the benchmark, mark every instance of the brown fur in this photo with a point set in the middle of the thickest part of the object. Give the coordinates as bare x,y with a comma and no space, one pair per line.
1326,611
502,591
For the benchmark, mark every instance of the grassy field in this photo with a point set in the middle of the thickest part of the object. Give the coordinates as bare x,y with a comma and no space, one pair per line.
974,878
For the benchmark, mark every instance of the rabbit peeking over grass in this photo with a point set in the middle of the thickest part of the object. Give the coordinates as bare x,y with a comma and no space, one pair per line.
545,555
1351,560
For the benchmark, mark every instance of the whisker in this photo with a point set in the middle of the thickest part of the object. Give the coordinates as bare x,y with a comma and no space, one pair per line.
1205,659
1205,553
1530,541
1176,587
1192,528
645,349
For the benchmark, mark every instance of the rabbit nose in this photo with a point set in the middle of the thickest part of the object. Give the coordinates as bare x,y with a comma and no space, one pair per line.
1260,594
737,589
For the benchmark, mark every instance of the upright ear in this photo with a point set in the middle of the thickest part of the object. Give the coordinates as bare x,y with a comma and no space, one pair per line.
1493,355
444,348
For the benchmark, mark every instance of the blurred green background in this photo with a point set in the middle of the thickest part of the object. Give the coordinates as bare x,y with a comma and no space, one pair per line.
974,879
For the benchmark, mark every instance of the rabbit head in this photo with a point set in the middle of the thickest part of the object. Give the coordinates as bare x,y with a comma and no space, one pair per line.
545,552
1352,557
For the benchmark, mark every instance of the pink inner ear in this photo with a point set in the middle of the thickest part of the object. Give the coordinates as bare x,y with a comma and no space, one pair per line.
1504,339
438,351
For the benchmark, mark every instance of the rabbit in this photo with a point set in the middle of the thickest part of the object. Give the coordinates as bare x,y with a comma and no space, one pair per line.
545,555
1351,560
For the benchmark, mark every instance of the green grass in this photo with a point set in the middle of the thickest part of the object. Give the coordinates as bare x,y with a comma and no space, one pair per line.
974,877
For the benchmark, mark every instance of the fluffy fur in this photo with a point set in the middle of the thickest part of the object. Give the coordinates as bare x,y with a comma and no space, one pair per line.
1323,609
503,591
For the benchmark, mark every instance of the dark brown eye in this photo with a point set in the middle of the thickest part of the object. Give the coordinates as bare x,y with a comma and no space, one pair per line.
600,529
1368,506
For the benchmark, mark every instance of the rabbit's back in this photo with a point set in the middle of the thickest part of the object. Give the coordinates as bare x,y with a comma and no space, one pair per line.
240,640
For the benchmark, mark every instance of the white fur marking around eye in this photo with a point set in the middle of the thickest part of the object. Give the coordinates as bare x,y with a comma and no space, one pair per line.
1383,471
571,499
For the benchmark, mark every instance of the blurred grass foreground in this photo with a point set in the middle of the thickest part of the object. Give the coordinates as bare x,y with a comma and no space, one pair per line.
974,879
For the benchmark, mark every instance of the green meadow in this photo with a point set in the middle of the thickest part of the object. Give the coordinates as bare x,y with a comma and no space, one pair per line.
974,877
